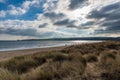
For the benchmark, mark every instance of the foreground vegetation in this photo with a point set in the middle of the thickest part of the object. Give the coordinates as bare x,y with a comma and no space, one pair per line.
94,61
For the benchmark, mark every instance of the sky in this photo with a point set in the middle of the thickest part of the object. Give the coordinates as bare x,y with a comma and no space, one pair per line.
43,19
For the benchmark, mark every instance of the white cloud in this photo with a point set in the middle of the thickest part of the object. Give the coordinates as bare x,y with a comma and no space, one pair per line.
78,15
24,8
2,13
2,1
19,24
45,32
16,10
14,37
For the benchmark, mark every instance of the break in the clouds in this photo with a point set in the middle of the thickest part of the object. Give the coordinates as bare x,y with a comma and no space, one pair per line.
22,19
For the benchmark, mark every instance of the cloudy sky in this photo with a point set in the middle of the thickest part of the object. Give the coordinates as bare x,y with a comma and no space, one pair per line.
28,19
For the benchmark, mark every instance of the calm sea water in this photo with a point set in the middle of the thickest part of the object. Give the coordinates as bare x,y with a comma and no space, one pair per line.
19,45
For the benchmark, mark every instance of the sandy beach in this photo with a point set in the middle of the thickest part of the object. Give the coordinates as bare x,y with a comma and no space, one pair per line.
4,55
87,61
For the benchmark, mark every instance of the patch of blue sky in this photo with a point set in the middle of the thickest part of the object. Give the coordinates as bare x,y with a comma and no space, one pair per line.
15,2
3,6
31,14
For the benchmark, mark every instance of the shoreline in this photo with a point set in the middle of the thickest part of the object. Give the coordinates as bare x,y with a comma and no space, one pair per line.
86,61
47,46
19,49
5,55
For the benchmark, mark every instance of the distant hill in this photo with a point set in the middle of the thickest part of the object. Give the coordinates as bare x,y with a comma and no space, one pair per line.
70,39
82,38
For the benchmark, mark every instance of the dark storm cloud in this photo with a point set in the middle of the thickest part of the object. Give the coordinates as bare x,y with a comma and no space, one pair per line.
110,7
64,22
89,23
54,16
109,12
115,25
86,25
21,32
71,26
74,4
108,17
26,32
42,25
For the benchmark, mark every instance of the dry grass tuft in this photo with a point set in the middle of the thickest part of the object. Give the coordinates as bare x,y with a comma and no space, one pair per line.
94,61
91,58
7,75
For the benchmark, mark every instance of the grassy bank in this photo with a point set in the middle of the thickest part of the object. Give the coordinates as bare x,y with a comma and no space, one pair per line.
77,62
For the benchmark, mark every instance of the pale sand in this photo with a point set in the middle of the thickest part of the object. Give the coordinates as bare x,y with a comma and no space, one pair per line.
10,54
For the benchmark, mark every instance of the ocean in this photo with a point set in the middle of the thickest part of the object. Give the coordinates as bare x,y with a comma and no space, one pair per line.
20,45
